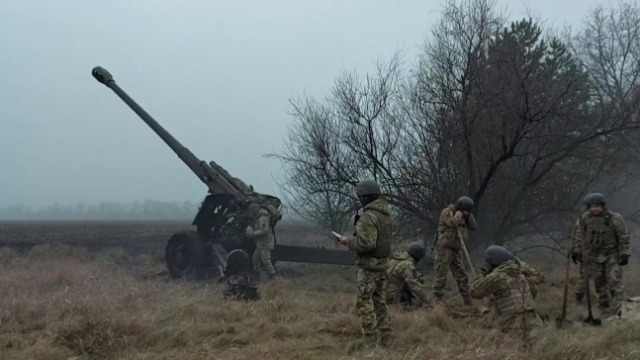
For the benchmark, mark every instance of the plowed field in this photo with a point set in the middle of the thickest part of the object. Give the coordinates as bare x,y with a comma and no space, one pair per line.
137,236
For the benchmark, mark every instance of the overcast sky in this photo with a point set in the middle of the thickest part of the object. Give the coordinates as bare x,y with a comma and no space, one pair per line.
218,75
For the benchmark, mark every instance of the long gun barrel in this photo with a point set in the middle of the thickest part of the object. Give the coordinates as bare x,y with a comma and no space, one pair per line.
213,175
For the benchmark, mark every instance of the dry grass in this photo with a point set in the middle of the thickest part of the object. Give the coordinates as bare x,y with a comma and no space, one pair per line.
60,303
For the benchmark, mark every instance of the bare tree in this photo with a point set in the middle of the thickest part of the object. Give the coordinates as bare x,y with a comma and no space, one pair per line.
609,47
332,146
317,175
506,115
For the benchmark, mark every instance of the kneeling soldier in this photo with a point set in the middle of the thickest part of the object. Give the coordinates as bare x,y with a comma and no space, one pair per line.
406,284
511,283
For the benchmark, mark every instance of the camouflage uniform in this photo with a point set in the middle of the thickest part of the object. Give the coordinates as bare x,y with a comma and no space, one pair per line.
533,276
265,242
449,252
580,288
372,244
512,285
405,282
606,239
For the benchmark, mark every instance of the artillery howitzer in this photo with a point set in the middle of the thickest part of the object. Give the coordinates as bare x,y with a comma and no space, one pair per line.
223,214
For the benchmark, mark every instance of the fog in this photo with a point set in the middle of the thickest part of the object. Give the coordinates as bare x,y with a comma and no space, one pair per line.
217,75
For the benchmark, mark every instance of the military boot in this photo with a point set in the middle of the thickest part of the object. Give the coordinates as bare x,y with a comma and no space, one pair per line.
386,338
611,311
272,276
365,341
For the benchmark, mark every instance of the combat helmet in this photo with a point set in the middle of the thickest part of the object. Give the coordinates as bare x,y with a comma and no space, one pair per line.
465,203
496,255
594,198
416,250
368,187
254,209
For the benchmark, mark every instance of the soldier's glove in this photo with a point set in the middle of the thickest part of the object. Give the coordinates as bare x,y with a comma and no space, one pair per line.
249,231
485,269
457,217
576,257
624,260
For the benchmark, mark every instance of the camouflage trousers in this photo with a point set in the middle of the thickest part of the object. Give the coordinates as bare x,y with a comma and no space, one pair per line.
262,260
521,322
581,289
406,299
371,305
607,280
518,326
449,259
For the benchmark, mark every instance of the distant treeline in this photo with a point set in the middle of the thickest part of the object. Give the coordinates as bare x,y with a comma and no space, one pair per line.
139,210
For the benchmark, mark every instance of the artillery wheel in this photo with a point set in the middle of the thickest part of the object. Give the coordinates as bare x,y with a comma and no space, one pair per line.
238,263
248,247
185,254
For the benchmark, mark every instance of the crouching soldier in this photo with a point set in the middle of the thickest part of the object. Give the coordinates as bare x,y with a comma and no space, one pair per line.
406,285
512,285
239,285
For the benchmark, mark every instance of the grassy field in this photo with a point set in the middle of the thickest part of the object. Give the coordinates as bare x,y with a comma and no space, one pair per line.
62,303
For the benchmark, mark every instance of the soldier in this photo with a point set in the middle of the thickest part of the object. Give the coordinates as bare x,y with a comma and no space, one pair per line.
406,284
603,238
239,284
512,284
263,234
453,227
580,287
372,243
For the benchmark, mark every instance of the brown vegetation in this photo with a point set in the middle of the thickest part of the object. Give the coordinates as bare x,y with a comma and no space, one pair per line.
61,303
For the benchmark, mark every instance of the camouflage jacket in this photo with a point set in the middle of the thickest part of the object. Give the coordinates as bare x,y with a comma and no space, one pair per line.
262,232
372,240
606,236
510,287
402,273
533,276
448,228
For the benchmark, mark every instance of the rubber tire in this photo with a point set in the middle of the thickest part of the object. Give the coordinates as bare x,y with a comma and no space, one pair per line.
186,254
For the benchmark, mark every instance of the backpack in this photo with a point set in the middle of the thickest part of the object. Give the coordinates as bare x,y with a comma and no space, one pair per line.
241,287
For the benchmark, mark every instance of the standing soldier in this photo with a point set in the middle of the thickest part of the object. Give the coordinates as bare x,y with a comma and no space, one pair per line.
265,241
512,283
372,243
406,284
603,238
453,228
580,287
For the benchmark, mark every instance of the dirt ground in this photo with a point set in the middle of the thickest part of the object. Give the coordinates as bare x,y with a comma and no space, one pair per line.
130,235
134,235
